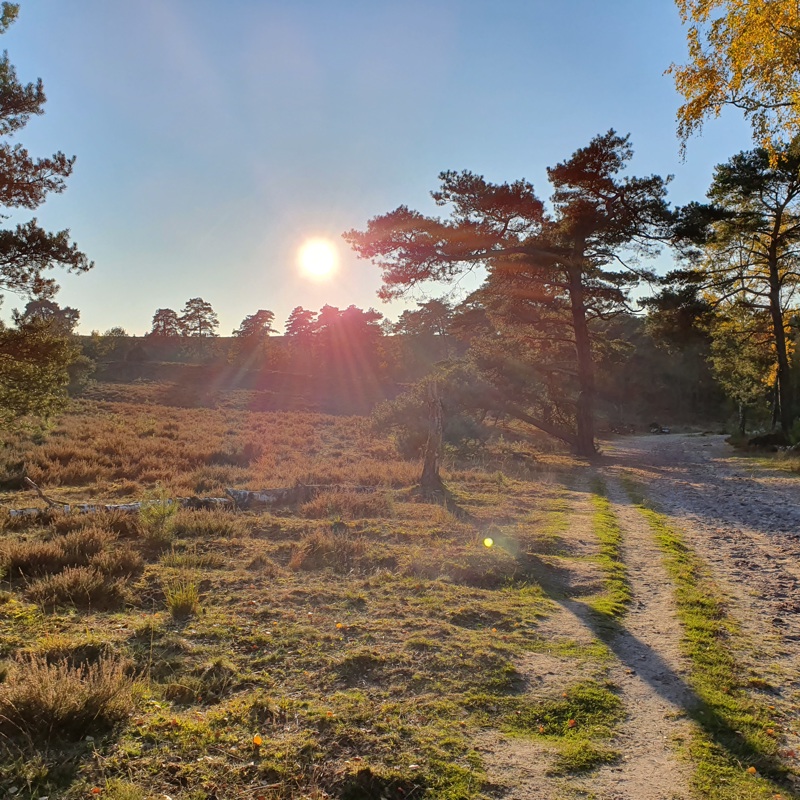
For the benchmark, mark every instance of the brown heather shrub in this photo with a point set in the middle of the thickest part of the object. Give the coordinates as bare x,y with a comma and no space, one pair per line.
204,449
265,565
214,479
122,523
348,504
211,524
23,523
83,587
31,558
241,456
81,546
118,563
327,550
77,473
45,701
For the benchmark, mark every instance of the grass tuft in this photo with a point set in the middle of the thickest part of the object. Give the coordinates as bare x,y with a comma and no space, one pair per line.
191,559
213,524
348,505
182,594
326,550
593,708
617,594
581,755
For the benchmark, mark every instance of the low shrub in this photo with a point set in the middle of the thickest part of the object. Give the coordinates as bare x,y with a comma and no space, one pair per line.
191,559
79,547
157,518
209,524
122,523
349,505
327,550
207,683
36,558
83,587
42,701
123,562
31,558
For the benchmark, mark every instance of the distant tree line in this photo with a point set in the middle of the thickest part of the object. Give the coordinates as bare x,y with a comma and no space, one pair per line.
553,337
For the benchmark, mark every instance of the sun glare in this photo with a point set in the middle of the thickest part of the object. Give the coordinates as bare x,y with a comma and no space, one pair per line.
318,258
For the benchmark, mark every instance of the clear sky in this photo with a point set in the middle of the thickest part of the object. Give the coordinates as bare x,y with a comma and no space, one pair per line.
213,139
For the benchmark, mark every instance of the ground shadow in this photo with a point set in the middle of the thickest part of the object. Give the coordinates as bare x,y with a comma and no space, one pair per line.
440,497
641,659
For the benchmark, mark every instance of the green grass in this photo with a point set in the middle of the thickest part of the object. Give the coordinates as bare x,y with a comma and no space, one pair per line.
731,727
581,755
617,591
182,594
574,723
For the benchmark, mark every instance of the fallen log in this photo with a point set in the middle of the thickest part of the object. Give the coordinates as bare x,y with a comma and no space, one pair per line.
236,498
127,508
291,495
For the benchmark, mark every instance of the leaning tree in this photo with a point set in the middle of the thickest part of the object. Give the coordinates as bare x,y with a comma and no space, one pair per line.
552,270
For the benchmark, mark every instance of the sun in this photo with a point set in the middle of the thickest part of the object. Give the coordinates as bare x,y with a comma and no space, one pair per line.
318,258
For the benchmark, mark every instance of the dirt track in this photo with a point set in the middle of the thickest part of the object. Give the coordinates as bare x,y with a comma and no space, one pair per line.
744,522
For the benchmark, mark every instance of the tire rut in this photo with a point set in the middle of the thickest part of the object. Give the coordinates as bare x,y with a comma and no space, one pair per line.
649,673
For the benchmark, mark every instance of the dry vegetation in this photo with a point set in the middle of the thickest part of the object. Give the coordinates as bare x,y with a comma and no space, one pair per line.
354,646
359,636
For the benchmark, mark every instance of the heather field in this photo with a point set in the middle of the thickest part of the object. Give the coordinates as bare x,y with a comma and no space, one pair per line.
361,644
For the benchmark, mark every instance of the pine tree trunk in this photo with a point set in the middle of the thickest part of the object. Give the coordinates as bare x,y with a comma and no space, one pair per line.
784,388
584,444
431,480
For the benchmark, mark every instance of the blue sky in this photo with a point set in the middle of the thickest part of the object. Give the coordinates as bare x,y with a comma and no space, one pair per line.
213,139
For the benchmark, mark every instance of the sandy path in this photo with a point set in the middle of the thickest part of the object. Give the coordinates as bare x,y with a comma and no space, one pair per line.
650,674
518,767
744,522
647,669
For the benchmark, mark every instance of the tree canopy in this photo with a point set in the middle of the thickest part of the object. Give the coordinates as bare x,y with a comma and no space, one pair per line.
34,356
550,273
28,252
166,324
198,318
748,265
742,53
256,327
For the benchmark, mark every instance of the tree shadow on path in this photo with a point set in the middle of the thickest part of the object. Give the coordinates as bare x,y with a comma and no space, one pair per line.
644,661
